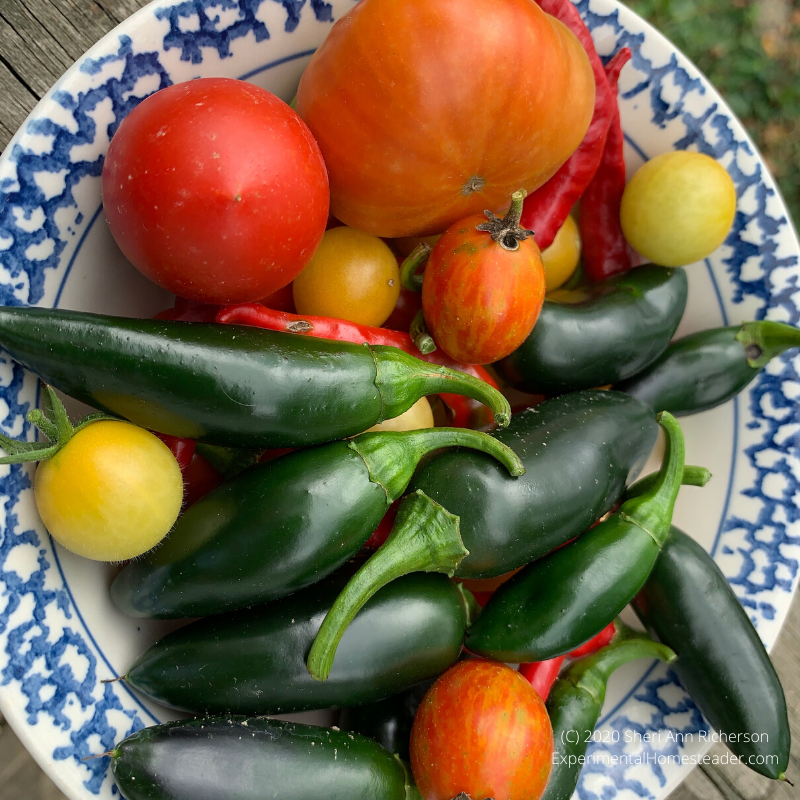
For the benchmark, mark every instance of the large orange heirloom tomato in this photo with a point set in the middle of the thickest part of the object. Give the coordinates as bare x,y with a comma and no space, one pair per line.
429,111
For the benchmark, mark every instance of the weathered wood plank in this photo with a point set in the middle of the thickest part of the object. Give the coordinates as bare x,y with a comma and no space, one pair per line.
34,56
121,9
75,24
20,776
15,104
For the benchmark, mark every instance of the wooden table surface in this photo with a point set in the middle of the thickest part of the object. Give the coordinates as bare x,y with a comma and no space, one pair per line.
39,40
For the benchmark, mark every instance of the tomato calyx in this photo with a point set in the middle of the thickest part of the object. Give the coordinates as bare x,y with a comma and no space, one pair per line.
54,423
506,231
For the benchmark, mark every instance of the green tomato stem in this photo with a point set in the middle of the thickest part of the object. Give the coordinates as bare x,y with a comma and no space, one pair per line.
54,423
408,269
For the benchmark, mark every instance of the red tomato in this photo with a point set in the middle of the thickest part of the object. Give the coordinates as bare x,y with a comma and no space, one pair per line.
427,111
481,729
480,298
216,190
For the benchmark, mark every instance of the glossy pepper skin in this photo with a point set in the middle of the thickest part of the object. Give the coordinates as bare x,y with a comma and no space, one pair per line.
579,451
576,701
705,369
221,384
599,334
250,758
281,525
562,600
253,661
689,605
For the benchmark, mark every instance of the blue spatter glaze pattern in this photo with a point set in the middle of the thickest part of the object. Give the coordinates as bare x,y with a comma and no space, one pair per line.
48,656
211,34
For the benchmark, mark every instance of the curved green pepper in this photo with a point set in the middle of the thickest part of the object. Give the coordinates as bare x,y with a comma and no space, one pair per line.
559,602
579,451
252,758
227,384
599,334
575,703
690,606
283,525
388,721
708,368
253,661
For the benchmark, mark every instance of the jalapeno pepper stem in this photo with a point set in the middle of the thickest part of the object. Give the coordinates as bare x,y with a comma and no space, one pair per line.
420,334
412,262
764,339
692,476
591,673
425,538
402,379
392,456
652,511
506,231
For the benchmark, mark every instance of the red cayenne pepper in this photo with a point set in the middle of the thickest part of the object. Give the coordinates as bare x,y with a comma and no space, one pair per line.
341,330
542,674
545,210
182,449
605,251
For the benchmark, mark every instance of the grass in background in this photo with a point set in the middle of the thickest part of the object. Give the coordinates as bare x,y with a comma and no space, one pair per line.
750,50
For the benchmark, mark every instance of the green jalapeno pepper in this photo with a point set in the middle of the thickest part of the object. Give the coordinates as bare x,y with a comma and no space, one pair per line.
283,525
575,703
388,721
579,451
251,758
560,601
599,334
708,368
227,384
253,661
690,606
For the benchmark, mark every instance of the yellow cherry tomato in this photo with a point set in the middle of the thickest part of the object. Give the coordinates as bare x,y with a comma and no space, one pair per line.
561,258
353,275
111,493
420,415
678,208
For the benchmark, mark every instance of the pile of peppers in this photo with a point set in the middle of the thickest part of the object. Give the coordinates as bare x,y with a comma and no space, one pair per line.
286,499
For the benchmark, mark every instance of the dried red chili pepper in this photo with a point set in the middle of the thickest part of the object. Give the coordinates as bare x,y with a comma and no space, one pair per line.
341,330
605,251
545,210
542,674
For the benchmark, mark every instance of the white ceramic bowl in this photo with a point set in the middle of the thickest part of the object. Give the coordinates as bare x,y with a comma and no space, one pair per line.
60,635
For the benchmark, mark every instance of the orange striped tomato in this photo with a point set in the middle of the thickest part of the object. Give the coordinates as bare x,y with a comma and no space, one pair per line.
482,730
480,298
